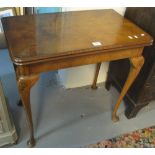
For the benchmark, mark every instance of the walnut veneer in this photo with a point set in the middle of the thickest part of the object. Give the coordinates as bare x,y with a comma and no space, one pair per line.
40,43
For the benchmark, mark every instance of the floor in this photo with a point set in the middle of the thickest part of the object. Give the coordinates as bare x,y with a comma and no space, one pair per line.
68,118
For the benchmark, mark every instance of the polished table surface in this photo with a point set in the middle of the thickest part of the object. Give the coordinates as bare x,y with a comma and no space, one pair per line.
48,36
40,43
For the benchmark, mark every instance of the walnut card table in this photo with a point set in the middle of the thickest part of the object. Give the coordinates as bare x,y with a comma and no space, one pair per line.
40,43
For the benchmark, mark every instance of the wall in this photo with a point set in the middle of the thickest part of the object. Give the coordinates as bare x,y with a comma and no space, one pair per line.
48,9
83,75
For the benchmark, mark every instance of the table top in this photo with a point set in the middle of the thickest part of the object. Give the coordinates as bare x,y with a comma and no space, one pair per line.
49,36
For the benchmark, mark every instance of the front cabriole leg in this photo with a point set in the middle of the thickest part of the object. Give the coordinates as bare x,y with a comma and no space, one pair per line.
135,67
24,84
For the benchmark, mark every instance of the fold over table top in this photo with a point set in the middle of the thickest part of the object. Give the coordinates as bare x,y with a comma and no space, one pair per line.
52,36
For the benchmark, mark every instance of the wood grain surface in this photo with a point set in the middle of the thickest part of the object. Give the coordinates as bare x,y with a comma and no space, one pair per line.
46,36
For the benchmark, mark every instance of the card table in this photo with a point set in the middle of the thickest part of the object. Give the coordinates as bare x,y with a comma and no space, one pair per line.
45,42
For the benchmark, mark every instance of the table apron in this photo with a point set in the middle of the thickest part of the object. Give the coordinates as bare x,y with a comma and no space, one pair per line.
36,68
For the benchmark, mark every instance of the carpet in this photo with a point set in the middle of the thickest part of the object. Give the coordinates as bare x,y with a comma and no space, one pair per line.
143,138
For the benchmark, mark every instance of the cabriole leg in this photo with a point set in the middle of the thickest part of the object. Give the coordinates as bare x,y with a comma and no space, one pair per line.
24,84
136,65
94,86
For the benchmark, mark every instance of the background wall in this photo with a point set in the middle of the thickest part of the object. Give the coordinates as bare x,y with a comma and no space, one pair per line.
48,9
83,75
